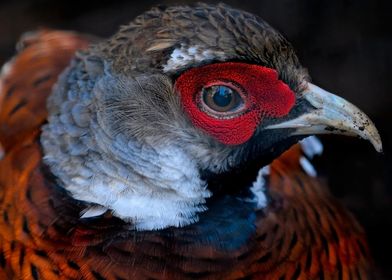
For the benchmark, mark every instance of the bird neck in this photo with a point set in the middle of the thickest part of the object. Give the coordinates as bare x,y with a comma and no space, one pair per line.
150,186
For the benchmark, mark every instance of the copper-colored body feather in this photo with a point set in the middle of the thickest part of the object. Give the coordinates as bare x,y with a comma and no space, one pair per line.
304,234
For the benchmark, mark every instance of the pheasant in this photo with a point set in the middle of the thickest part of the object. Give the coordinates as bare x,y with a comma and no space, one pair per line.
169,151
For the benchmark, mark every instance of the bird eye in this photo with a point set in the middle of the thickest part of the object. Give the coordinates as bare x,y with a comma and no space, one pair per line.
221,99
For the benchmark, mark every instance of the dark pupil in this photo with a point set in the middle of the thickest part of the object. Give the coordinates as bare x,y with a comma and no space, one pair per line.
222,96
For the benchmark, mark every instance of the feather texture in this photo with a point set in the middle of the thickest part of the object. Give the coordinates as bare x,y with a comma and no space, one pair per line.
304,233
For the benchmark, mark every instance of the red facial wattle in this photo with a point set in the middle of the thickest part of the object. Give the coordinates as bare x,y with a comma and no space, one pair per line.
264,94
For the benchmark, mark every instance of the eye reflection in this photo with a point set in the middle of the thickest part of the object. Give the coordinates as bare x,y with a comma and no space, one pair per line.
221,98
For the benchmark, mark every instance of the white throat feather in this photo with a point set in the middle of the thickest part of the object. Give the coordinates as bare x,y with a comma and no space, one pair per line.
150,186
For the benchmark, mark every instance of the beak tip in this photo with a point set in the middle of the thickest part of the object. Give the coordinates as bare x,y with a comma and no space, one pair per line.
371,134
377,144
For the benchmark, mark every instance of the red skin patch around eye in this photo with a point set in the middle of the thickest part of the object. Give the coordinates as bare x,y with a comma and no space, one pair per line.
265,94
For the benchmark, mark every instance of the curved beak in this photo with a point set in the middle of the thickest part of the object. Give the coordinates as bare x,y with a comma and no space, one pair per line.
331,114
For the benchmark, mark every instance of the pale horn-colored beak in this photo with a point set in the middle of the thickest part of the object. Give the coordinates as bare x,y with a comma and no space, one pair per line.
332,114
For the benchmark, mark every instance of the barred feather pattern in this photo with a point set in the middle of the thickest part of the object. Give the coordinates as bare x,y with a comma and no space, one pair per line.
303,234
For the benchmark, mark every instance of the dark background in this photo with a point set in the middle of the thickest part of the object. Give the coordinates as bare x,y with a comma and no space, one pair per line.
347,47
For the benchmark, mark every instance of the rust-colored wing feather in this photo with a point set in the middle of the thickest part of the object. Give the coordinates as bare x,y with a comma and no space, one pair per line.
303,234
26,81
314,237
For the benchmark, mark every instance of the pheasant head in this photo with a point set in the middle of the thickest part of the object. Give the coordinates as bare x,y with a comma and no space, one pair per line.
183,105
